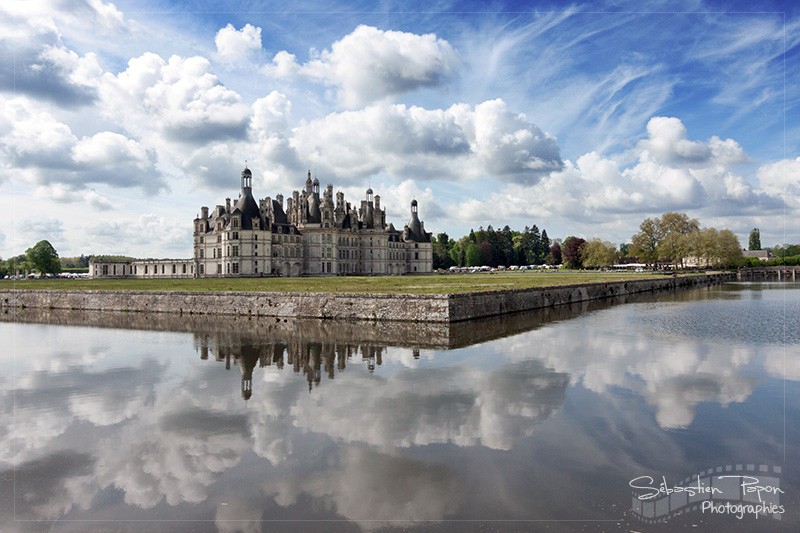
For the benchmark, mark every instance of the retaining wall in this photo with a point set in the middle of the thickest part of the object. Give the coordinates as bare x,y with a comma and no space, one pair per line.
402,307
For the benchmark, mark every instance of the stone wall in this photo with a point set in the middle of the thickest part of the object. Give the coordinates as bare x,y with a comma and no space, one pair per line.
405,307
475,305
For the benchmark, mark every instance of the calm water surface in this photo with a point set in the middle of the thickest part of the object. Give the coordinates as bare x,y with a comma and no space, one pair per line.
539,421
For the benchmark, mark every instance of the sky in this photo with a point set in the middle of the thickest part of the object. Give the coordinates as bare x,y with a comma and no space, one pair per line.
118,121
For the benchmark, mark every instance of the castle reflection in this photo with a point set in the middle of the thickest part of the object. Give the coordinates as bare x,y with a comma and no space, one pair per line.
311,358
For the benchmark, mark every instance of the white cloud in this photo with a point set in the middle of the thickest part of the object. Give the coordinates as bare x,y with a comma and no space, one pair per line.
66,195
370,64
47,228
283,65
237,45
137,236
667,143
41,66
181,99
426,144
672,173
781,177
48,153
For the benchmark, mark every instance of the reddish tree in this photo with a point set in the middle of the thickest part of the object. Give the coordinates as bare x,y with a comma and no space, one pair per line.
571,252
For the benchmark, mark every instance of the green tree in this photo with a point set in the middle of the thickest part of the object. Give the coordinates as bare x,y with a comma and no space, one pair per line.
677,223
43,258
729,249
441,257
755,240
598,254
644,244
473,255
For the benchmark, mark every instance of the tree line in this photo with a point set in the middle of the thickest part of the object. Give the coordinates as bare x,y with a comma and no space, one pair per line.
676,240
671,240
490,247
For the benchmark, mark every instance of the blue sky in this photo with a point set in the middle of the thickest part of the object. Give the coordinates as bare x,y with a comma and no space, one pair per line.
118,121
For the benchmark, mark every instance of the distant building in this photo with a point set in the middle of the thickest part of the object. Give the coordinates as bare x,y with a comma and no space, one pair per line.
759,254
311,234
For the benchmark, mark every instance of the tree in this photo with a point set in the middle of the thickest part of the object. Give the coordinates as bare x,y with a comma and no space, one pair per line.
644,244
44,258
473,255
675,247
597,254
441,257
677,223
554,257
728,248
755,240
571,252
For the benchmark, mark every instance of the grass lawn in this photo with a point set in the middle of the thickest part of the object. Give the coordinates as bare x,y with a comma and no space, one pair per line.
422,284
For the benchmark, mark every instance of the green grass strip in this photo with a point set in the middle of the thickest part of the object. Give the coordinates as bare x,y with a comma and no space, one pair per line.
418,284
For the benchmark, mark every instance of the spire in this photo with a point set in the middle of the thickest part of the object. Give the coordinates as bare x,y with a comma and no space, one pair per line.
247,179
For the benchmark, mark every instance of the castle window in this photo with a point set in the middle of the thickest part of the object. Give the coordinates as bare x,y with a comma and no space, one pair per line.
228,266
105,270
235,223
219,268
219,238
202,253
235,251
174,269
184,268
145,269
202,269
162,269
236,268
235,235
201,240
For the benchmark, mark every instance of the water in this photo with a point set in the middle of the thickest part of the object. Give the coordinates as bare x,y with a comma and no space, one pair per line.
134,422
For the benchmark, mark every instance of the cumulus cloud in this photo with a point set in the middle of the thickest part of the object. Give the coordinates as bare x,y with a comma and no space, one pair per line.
41,66
36,229
180,98
461,142
356,486
66,195
781,177
46,152
671,172
370,64
283,65
234,45
137,236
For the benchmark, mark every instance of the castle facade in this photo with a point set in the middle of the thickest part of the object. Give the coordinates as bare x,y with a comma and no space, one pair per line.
310,233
